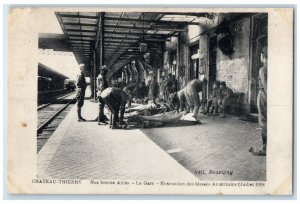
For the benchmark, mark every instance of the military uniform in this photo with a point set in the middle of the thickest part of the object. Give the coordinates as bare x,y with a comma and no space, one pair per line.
213,101
224,99
81,87
262,103
188,97
153,90
101,86
131,91
116,100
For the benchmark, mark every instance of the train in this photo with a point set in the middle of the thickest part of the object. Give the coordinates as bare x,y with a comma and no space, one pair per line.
70,84
50,80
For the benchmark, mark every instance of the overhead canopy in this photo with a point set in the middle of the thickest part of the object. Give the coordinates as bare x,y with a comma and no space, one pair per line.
57,42
123,31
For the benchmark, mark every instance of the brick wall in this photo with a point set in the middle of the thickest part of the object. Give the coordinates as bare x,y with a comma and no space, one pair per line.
234,69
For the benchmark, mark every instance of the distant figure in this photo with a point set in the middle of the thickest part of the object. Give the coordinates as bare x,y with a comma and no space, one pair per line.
173,84
224,99
116,100
81,87
131,90
168,86
262,102
153,89
101,85
162,88
143,89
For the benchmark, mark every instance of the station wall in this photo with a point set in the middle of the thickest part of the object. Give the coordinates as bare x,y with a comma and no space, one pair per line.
234,69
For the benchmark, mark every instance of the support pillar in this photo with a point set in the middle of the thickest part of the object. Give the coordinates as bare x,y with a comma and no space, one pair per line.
95,74
101,38
178,61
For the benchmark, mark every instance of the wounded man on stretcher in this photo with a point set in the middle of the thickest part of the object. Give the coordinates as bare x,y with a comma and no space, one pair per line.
116,100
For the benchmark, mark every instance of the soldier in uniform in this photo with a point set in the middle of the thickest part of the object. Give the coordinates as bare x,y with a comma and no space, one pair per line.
213,100
101,86
153,89
188,98
262,102
81,87
116,100
224,99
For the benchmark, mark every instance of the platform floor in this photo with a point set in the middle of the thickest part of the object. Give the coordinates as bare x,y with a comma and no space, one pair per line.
87,151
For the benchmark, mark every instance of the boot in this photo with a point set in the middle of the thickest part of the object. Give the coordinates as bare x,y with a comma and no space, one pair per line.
209,113
205,111
260,152
215,112
101,121
80,118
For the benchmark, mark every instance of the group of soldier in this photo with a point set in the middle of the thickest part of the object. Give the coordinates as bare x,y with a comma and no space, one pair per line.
114,98
187,99
219,99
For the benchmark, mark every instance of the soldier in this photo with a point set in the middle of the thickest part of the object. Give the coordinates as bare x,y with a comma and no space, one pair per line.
101,86
143,89
224,99
81,87
169,86
179,101
213,100
153,89
262,102
173,84
188,98
116,100
131,91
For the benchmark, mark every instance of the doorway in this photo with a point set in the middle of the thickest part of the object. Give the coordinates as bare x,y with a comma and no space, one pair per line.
259,40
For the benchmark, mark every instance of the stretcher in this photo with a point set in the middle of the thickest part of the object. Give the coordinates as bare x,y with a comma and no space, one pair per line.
157,120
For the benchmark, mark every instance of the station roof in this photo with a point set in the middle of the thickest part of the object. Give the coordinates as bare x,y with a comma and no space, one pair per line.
123,31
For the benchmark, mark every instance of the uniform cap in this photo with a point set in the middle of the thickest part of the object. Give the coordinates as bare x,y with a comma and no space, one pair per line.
217,83
223,83
104,67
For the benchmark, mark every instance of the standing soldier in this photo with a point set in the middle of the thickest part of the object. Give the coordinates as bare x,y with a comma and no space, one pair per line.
81,87
262,102
101,86
153,89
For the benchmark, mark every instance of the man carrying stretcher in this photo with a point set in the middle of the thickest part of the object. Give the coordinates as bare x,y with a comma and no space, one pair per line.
116,100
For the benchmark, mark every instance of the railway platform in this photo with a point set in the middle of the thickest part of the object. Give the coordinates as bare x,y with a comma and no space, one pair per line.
85,150
217,149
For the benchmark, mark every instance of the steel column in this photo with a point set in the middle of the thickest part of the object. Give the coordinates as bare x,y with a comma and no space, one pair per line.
101,38
94,74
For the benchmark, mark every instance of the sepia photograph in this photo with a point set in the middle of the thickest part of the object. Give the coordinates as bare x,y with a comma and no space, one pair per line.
158,99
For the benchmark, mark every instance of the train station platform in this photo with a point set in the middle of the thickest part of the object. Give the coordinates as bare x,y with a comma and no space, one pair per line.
85,150
217,149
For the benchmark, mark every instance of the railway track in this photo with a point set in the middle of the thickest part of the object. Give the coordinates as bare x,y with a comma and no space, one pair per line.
60,99
53,97
50,115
